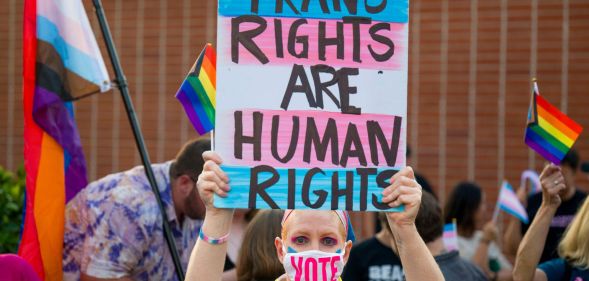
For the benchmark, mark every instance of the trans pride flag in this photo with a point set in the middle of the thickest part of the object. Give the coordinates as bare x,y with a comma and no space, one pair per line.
549,132
509,203
534,178
450,236
61,60
197,92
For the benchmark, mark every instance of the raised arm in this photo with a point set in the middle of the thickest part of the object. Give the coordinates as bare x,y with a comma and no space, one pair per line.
529,251
513,233
418,263
481,255
512,238
207,259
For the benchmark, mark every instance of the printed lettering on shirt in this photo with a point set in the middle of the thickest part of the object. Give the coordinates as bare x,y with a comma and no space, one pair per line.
385,272
562,221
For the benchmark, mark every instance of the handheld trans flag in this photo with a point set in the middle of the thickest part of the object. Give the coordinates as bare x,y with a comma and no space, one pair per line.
534,178
509,203
450,236
197,92
549,131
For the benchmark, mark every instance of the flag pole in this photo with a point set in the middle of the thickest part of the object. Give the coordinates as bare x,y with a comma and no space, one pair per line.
122,85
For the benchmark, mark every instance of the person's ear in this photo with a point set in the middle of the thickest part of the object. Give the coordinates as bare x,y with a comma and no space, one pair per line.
348,249
279,249
185,184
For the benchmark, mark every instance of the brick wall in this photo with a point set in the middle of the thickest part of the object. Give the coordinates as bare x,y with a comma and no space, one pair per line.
469,83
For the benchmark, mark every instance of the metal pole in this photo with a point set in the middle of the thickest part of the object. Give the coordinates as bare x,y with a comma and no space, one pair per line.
122,85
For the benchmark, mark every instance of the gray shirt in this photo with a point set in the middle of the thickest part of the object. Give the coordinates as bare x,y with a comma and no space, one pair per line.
453,268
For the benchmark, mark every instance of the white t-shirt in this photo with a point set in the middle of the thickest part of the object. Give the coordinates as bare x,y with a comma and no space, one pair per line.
468,247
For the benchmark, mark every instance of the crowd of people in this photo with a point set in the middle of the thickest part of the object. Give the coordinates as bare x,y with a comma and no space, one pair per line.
409,245
114,231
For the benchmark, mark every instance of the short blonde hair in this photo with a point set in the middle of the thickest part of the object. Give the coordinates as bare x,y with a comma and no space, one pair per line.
574,247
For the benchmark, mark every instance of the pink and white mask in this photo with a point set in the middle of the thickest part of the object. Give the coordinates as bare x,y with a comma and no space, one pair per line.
313,265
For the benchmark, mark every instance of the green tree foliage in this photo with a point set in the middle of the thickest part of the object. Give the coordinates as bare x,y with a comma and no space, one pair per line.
12,193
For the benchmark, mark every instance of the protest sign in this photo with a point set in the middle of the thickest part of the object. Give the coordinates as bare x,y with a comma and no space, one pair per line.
311,101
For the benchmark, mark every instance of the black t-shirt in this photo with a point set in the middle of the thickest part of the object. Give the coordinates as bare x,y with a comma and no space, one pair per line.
424,183
563,217
229,265
373,261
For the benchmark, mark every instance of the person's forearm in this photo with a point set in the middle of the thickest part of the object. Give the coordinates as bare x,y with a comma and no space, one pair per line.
504,275
481,257
512,237
530,251
207,260
418,262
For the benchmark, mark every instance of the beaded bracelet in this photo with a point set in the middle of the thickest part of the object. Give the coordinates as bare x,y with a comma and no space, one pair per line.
211,240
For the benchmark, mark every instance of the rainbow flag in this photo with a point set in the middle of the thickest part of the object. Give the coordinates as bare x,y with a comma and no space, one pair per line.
197,92
549,131
509,203
450,236
61,61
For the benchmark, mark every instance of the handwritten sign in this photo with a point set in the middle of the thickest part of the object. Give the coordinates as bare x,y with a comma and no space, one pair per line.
311,101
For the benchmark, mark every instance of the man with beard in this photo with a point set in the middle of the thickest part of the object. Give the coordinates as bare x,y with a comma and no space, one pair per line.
114,228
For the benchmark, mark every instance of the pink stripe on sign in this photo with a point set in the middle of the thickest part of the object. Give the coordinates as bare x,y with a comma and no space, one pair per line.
374,134
309,32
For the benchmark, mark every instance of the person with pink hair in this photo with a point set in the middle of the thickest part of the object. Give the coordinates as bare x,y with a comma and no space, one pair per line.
312,243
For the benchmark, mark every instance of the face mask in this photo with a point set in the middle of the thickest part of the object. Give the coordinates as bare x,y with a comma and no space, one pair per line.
313,265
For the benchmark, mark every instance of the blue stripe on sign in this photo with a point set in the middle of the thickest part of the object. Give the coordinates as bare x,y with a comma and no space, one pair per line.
396,11
240,189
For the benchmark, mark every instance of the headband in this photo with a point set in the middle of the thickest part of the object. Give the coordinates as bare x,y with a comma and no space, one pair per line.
343,217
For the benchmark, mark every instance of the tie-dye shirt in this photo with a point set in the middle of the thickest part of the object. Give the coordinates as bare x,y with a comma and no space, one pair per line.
114,229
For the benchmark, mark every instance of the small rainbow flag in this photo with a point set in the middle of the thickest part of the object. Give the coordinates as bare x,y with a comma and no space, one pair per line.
450,236
197,92
549,132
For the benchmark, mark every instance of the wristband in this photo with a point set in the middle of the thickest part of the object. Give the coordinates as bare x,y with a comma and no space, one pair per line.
211,240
